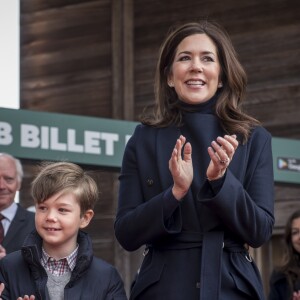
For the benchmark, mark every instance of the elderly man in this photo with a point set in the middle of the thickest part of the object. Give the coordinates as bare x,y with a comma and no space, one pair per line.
16,222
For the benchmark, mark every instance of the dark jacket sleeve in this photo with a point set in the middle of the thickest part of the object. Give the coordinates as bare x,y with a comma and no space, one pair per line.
279,289
116,288
139,220
246,205
15,275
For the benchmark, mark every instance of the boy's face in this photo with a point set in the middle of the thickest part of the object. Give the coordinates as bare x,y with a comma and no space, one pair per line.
57,221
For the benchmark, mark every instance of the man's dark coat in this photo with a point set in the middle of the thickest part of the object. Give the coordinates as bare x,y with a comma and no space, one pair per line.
22,224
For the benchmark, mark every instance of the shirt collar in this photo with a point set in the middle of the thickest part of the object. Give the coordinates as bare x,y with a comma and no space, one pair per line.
47,260
10,212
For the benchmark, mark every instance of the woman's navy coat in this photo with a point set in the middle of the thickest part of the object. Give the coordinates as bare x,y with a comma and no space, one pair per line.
237,210
279,286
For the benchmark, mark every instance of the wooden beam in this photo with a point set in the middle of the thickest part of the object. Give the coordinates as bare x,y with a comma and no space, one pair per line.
122,60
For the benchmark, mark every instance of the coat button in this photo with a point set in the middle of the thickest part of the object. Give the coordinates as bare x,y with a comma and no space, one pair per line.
150,182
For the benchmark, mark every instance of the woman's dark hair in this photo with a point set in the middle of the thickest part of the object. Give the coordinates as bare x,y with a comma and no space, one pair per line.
291,258
233,77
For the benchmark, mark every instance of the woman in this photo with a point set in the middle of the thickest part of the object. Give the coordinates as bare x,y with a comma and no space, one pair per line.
285,280
196,185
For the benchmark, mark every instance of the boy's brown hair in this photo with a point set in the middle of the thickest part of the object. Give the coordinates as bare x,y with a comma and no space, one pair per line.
65,177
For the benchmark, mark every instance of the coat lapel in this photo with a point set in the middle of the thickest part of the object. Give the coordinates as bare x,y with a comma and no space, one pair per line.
166,140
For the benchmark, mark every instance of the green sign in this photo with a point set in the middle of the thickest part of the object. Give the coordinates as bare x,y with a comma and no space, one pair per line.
51,136
98,141
286,160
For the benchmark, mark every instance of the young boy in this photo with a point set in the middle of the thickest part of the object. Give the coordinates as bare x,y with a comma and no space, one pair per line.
56,261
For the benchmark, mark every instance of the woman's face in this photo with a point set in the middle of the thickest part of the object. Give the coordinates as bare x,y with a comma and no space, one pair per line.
295,234
195,72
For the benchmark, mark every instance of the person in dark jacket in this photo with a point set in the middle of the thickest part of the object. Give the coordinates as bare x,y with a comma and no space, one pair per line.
57,261
16,221
196,183
285,279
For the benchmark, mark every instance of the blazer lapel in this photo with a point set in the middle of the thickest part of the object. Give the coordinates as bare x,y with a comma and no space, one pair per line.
15,225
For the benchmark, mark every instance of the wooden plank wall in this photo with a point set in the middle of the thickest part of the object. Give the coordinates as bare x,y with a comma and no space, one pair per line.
66,67
65,59
97,58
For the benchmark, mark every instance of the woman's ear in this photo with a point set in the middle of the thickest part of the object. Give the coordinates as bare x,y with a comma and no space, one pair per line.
86,218
170,80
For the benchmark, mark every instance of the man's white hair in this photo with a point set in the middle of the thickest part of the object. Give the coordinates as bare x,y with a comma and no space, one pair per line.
18,165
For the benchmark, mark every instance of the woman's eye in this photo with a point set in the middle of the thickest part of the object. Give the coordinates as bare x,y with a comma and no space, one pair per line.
207,58
183,58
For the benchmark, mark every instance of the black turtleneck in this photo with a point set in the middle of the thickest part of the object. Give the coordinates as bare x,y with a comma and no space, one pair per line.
200,127
207,107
